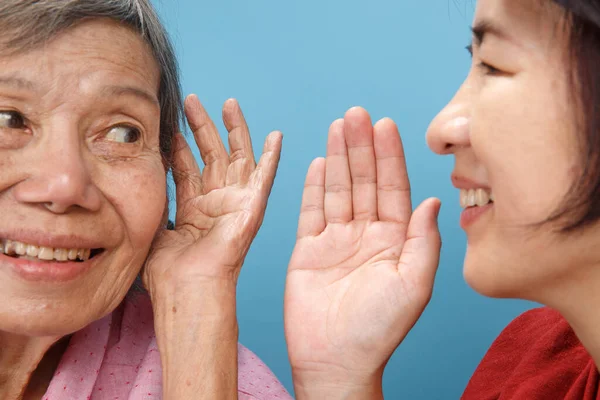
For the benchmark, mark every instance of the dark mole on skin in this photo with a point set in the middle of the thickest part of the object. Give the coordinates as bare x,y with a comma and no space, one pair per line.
174,310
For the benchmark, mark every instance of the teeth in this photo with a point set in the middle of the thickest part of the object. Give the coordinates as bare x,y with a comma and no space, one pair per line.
72,255
20,248
33,251
83,254
481,197
61,254
11,248
475,197
46,253
464,196
471,197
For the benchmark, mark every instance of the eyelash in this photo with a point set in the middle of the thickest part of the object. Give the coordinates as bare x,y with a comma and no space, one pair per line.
487,68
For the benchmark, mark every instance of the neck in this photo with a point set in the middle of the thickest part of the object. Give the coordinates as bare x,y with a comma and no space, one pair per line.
27,364
579,303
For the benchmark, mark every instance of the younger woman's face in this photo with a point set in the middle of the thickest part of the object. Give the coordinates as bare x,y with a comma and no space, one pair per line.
512,130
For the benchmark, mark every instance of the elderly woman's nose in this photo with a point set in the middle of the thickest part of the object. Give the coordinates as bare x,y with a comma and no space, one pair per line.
60,180
450,129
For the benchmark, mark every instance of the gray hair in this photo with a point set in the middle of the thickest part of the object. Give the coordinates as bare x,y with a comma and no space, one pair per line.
26,24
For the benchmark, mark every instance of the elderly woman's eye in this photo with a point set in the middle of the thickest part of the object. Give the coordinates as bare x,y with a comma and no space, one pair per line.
11,120
123,134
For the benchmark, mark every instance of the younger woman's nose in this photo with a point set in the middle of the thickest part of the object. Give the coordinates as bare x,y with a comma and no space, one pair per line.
450,129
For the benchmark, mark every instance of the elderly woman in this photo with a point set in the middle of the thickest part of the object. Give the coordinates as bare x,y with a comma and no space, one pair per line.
89,121
524,130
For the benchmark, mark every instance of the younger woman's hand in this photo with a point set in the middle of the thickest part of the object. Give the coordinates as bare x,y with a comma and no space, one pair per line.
364,263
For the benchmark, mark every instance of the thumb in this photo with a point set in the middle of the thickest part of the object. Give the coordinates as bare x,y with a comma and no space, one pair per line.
421,252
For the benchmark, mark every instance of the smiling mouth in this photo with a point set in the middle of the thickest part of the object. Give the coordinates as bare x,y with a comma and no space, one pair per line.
32,252
475,197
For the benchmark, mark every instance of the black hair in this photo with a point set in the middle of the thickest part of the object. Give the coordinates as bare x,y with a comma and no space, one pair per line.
581,208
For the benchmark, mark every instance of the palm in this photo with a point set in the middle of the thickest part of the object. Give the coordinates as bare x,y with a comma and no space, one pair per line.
220,209
358,278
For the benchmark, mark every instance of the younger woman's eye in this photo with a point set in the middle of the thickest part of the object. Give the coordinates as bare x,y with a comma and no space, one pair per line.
124,134
489,69
11,120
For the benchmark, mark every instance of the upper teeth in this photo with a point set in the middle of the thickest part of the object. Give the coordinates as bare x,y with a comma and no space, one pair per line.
12,247
475,197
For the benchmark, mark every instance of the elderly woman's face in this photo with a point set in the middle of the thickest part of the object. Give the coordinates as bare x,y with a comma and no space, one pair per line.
82,183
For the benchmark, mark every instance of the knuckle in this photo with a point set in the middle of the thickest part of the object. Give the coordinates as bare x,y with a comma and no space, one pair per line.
311,208
364,179
211,156
337,188
236,155
393,187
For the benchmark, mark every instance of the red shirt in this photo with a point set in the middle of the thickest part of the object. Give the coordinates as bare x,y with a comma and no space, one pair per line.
537,357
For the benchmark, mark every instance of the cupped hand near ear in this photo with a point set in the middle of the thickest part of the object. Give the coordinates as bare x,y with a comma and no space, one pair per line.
363,267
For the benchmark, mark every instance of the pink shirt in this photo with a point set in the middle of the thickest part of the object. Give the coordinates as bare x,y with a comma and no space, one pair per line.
116,358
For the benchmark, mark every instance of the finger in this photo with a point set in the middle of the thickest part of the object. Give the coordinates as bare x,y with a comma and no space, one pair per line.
186,173
312,211
393,186
361,158
338,184
212,150
263,176
421,252
241,154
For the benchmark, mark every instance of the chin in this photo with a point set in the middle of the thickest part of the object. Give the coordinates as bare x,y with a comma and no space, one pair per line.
488,277
43,319
37,328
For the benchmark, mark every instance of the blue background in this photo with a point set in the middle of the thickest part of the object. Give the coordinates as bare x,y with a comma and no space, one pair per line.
296,66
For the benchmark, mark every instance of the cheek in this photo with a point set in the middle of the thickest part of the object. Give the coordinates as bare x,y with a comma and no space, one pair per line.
139,197
9,170
522,140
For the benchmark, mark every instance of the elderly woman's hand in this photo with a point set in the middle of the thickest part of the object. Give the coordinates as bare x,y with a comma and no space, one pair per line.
192,271
363,267
220,209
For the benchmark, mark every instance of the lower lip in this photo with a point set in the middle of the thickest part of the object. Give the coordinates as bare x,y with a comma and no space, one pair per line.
46,271
470,215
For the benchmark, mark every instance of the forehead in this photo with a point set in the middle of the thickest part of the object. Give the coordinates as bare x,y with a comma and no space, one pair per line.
92,53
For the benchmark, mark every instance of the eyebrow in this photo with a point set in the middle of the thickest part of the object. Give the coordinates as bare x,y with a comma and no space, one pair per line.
484,27
131,91
16,82
21,83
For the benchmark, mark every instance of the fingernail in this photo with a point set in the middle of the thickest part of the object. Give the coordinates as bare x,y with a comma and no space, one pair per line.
273,137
